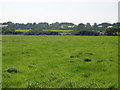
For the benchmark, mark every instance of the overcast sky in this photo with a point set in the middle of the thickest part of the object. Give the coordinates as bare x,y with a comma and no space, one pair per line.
76,11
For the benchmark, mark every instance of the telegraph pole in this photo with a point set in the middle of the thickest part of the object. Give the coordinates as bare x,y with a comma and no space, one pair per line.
119,11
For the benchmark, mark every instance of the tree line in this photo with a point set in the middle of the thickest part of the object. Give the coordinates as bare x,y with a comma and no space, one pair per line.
80,29
60,26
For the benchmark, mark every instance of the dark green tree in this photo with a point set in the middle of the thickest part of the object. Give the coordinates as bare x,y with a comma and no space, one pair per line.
105,25
88,26
8,30
95,26
112,31
81,26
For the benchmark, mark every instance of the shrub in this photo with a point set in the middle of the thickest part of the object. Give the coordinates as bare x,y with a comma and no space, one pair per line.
8,30
18,33
85,32
42,33
87,60
12,70
112,31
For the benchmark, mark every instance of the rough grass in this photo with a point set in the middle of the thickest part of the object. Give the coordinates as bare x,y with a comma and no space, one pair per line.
60,61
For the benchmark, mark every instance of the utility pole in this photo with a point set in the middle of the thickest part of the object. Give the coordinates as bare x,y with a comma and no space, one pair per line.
119,11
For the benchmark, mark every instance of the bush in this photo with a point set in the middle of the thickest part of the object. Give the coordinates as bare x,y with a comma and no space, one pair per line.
8,30
85,32
12,70
87,60
112,31
51,33
41,33
18,33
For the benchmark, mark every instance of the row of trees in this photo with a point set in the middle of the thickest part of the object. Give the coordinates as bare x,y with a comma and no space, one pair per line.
43,25
11,31
86,32
61,26
108,31
113,31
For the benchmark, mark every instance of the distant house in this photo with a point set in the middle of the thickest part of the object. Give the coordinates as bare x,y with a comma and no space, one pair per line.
67,26
100,26
109,26
1,26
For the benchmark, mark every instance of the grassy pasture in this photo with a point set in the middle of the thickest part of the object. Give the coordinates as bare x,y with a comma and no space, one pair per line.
22,30
60,61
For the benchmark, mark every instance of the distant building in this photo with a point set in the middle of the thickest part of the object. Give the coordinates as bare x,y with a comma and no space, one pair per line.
100,26
67,27
1,26
109,26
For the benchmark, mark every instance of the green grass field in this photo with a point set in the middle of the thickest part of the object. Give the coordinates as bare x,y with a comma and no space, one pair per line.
46,61
22,30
